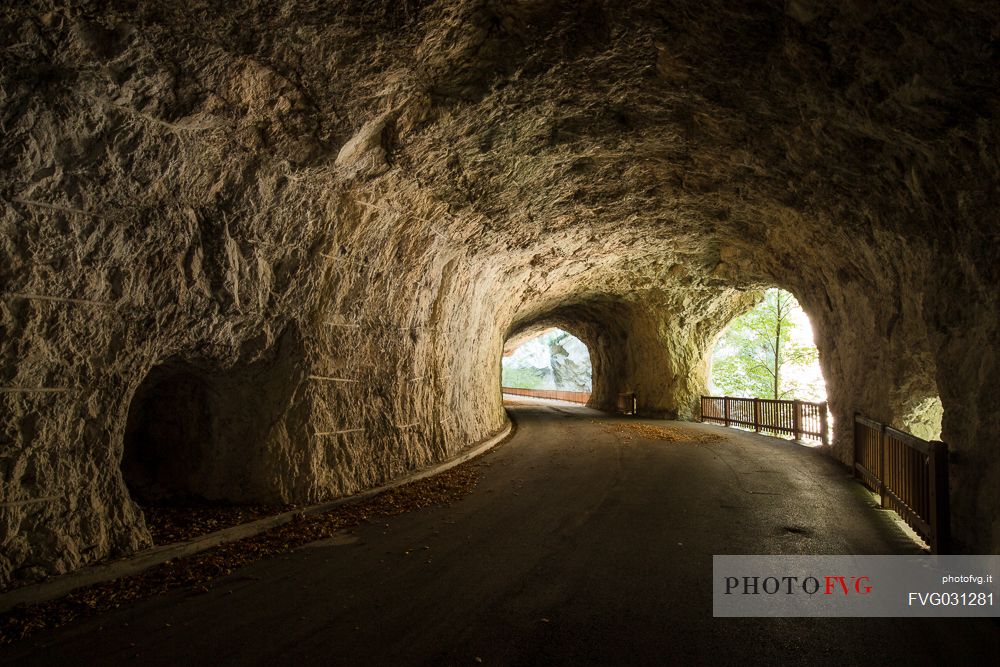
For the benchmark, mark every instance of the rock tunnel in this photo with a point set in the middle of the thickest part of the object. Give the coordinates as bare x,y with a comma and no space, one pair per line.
312,227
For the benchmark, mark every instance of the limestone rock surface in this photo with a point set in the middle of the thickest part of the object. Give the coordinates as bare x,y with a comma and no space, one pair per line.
311,226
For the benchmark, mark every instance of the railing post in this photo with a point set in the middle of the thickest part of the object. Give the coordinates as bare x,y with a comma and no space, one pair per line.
756,414
797,419
940,503
725,402
701,417
854,449
881,464
824,427
857,443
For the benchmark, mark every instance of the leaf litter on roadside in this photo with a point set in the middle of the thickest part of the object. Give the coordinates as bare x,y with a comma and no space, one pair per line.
669,433
200,571
178,523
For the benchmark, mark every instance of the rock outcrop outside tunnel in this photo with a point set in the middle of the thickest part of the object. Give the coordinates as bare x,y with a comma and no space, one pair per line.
176,187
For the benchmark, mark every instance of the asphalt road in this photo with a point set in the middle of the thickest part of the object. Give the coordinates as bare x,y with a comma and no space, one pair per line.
579,546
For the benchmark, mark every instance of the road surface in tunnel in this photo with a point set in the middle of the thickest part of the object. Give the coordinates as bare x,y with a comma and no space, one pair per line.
584,543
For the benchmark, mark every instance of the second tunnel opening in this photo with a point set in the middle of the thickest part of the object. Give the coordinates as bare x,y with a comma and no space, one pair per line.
552,363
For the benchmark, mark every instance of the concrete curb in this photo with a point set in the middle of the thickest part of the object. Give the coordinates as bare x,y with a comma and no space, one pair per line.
64,584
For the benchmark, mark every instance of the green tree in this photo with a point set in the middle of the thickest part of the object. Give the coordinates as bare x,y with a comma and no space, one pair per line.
755,353
524,377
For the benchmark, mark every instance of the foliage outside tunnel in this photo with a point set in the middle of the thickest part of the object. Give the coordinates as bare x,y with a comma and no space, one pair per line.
554,359
769,353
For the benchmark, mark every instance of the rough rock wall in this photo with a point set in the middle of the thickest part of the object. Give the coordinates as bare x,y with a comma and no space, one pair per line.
333,214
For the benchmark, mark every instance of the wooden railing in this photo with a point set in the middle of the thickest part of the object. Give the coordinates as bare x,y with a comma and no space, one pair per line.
799,419
909,474
572,396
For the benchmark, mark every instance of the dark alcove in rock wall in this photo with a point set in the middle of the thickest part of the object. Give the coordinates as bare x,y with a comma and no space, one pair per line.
168,430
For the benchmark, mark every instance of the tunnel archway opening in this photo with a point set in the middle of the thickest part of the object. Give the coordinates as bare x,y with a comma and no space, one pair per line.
547,363
168,435
768,352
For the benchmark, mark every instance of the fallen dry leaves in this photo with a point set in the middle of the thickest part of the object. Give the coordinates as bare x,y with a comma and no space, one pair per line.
200,571
179,523
668,433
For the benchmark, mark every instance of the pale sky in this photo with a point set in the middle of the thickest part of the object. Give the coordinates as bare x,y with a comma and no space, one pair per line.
803,334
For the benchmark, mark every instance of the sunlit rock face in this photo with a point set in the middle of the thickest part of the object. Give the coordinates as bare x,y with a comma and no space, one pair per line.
570,365
554,359
331,216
